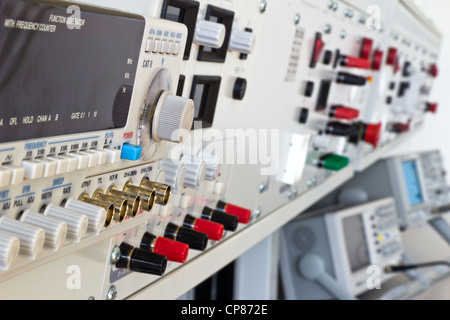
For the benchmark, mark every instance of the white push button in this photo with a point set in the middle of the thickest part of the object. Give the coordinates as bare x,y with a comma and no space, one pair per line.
5,177
163,48
82,160
49,167
176,48
101,156
170,47
33,169
62,164
92,158
156,45
17,174
149,45
112,155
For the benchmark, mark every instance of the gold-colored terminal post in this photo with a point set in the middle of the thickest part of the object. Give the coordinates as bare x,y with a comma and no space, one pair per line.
134,201
120,205
147,197
105,205
162,191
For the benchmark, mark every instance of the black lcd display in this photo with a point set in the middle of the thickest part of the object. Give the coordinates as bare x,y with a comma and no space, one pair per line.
58,78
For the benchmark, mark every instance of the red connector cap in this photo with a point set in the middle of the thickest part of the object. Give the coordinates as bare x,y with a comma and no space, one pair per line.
377,61
366,48
243,214
341,112
212,229
391,57
434,70
372,134
432,107
173,250
353,62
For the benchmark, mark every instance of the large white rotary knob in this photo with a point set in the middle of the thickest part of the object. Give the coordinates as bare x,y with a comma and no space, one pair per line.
195,171
96,215
242,41
55,230
77,223
173,118
209,34
31,238
175,173
9,250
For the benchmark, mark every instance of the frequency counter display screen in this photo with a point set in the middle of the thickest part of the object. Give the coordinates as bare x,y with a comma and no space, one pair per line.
63,71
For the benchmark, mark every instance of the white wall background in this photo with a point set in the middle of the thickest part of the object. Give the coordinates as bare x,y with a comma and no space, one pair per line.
422,243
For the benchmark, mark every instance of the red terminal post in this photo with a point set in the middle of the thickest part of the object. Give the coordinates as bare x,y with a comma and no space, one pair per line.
354,62
432,107
173,250
212,229
366,48
342,112
243,214
398,127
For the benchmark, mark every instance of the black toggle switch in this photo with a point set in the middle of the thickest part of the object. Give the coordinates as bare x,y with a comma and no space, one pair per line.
142,261
194,239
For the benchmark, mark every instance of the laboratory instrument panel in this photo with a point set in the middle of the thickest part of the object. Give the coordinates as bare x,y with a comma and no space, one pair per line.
98,169
332,254
417,181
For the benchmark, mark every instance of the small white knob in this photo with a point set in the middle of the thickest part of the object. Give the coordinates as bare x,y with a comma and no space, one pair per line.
175,173
96,215
55,230
31,238
77,223
173,118
9,250
209,34
242,41
195,171
212,165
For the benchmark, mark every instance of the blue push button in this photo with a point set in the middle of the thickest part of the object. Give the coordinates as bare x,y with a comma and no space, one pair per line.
131,152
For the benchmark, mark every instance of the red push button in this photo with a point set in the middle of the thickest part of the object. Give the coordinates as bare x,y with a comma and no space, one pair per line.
372,134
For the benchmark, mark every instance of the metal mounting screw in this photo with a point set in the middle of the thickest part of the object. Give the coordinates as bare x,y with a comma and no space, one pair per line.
115,255
257,213
297,18
263,6
111,294
262,187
